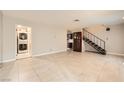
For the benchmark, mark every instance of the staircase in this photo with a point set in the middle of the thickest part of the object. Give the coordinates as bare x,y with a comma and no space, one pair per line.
94,41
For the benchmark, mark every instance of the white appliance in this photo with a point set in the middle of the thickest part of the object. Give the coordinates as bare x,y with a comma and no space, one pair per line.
23,42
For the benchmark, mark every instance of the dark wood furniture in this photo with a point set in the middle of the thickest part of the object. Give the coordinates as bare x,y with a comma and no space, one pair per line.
77,41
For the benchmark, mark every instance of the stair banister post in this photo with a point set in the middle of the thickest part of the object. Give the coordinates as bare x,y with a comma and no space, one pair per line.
100,43
104,45
88,35
94,39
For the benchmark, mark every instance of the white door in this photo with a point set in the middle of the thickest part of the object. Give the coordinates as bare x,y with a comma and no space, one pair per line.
23,42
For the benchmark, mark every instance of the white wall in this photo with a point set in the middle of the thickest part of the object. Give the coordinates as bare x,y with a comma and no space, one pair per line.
45,38
48,39
115,42
113,38
0,36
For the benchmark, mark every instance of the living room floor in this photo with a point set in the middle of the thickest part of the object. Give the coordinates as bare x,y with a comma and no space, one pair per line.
65,67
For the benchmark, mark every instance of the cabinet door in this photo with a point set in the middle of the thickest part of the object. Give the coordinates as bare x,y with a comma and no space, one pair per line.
77,37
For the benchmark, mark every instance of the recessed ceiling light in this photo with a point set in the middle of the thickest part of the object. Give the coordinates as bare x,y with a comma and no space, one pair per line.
123,17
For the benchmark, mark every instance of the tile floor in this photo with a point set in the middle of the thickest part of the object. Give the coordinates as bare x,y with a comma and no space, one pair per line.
65,67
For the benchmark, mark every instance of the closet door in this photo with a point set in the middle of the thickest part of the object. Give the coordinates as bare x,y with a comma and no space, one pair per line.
77,37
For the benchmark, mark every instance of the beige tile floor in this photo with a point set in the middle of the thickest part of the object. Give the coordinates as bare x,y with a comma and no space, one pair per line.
65,66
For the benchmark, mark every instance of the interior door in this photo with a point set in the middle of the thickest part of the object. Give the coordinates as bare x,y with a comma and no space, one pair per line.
77,45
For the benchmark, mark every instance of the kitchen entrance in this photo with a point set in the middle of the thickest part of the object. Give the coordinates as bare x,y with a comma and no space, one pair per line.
74,41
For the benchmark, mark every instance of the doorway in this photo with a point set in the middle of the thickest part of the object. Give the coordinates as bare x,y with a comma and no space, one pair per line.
69,40
24,42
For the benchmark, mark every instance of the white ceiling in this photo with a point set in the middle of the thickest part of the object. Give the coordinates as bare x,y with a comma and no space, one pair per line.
64,18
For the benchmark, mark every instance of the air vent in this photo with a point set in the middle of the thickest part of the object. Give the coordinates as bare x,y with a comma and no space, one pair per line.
107,29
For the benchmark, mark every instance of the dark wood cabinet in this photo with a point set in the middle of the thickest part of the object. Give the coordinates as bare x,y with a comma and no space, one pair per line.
77,41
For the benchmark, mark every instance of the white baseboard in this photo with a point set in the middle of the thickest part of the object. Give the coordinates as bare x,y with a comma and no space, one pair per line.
8,60
49,53
112,53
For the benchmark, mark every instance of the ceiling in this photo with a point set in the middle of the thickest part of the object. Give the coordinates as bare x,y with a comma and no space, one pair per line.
65,18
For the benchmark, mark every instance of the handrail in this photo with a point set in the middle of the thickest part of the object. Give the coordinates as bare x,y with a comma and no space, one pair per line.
94,38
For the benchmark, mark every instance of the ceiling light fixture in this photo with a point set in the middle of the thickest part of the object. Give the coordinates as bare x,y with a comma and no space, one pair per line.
76,20
123,17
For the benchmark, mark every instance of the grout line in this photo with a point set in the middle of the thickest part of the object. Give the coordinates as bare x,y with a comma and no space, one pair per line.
17,65
36,73
101,72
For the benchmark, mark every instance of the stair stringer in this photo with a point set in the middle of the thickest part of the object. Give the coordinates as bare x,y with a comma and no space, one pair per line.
89,47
